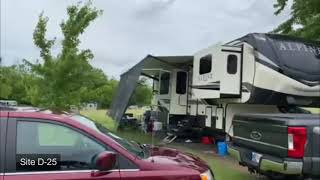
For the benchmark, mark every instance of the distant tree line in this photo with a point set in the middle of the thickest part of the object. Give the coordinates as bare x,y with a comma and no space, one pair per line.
19,83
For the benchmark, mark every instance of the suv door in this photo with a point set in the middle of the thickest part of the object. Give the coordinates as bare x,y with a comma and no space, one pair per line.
3,121
63,152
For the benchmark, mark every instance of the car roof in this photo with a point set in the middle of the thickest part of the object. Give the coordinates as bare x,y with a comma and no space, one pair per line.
35,115
6,108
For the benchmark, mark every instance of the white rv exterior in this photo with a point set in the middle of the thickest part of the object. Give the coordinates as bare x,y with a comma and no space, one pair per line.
248,75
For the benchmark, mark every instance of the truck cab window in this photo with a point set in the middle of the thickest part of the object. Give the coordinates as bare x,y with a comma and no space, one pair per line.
232,64
164,83
181,84
205,64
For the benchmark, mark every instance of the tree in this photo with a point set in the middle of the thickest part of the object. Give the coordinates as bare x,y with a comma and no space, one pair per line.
62,77
304,21
17,83
5,81
99,89
142,95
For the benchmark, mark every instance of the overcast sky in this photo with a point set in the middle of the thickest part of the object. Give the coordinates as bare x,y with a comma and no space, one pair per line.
128,30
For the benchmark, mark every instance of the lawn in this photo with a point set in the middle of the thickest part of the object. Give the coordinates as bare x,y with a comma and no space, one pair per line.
224,167
314,110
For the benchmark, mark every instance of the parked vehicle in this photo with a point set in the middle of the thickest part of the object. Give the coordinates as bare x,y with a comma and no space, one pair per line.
277,144
47,146
8,102
19,108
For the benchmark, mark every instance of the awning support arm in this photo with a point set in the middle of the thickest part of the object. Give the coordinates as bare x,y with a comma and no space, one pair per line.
151,77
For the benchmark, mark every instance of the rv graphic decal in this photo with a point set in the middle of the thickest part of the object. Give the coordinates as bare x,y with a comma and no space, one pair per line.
205,77
298,47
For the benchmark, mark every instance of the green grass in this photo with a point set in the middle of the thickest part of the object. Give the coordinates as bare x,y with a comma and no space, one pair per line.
314,110
223,169
101,117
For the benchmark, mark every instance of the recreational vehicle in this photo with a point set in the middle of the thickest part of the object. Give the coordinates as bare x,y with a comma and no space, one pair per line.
257,73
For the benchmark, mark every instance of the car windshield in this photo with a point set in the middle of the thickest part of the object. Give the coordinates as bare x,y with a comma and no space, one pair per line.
132,147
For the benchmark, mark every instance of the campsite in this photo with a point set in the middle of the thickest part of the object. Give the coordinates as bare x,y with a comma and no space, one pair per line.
160,89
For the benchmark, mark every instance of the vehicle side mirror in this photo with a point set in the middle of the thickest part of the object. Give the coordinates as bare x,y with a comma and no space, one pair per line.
105,161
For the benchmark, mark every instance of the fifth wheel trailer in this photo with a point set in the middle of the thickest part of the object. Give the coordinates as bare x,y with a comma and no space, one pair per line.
257,73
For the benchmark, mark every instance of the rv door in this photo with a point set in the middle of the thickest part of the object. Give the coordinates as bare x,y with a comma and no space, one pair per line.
231,78
178,96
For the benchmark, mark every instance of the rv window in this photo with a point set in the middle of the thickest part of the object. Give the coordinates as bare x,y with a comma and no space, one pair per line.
205,64
232,64
181,85
164,83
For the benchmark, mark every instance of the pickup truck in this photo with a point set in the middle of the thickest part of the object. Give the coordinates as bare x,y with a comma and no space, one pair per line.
277,145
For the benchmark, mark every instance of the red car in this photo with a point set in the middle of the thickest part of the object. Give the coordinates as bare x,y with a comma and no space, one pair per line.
37,145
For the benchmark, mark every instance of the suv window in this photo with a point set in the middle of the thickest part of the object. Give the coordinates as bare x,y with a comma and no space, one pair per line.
76,150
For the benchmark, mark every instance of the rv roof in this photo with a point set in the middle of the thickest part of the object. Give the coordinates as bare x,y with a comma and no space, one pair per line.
262,36
296,57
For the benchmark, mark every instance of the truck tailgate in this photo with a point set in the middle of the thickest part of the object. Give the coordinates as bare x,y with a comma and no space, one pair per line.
261,133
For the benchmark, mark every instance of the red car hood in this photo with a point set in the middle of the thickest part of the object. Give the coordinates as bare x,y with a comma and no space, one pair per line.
169,156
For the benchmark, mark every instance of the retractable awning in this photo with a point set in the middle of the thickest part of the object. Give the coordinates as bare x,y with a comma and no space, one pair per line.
146,67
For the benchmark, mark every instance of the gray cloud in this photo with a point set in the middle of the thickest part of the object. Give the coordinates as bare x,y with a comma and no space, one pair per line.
147,9
130,29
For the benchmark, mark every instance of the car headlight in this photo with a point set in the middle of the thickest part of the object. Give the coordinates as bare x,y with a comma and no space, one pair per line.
207,175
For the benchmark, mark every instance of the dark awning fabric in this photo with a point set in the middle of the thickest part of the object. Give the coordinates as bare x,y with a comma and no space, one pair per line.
297,58
126,86
129,79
